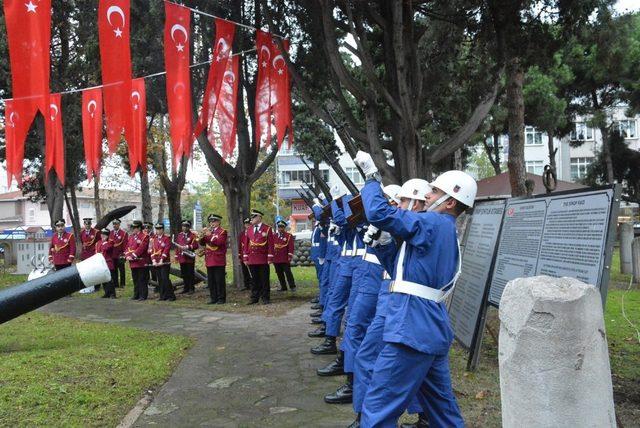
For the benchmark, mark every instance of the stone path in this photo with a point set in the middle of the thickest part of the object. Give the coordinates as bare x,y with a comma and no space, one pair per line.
243,371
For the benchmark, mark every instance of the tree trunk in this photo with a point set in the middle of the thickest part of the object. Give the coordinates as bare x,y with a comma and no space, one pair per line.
96,197
161,205
238,197
552,150
147,211
493,153
515,118
606,154
72,207
457,160
175,214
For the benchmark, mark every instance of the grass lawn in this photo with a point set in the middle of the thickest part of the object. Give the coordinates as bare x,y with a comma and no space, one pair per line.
58,371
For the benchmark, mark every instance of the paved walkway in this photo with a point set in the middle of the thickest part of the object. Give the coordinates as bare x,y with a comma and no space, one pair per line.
244,370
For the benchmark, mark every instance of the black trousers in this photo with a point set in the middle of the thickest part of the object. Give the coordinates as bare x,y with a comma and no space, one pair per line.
248,282
261,287
120,276
109,287
59,267
188,275
217,284
165,288
140,285
284,270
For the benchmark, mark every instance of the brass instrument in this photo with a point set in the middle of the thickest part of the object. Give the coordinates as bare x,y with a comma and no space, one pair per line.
186,252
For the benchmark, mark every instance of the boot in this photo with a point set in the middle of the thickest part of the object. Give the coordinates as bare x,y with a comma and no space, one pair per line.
356,423
422,422
318,332
316,307
317,321
328,347
334,368
315,314
314,300
343,395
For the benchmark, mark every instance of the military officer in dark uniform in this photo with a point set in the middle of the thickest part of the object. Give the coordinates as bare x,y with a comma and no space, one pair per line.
258,253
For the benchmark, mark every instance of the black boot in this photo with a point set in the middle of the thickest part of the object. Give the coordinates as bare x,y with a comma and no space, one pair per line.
315,314
317,321
422,422
316,307
318,332
327,347
343,395
314,300
335,367
356,423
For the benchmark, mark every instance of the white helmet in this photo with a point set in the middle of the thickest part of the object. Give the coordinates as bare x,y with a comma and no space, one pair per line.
415,188
391,190
457,184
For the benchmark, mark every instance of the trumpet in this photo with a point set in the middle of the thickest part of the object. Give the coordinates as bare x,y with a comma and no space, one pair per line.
203,232
186,252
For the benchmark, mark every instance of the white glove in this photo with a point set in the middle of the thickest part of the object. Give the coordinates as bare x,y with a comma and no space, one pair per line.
321,261
334,229
384,239
321,197
371,235
335,191
365,162
316,202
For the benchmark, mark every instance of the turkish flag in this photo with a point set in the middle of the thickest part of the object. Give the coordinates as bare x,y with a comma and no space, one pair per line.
92,130
16,128
226,117
265,48
177,28
54,147
115,53
281,96
29,39
225,33
137,132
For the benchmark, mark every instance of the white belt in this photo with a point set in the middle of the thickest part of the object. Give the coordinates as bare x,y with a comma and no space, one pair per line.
386,275
371,258
419,290
315,244
359,252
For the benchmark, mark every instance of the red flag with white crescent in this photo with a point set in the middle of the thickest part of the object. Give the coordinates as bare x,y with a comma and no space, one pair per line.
16,128
29,38
281,96
137,131
226,117
54,146
92,130
264,46
225,32
115,53
177,30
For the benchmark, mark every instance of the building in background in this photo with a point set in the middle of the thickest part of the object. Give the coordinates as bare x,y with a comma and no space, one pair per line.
291,176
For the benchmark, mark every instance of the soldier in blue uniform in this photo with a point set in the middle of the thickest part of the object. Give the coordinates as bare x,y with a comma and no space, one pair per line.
417,334
319,246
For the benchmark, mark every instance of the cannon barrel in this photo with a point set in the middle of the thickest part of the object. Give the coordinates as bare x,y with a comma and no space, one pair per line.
30,295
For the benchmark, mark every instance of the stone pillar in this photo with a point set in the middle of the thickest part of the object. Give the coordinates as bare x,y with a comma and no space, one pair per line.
553,355
626,237
635,259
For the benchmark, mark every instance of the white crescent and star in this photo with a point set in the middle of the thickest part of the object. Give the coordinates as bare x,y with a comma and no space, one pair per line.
135,95
110,11
264,60
275,62
11,119
222,48
31,7
176,86
95,106
231,76
180,28
55,109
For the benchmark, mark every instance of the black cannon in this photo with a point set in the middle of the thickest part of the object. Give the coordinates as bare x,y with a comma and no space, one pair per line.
30,295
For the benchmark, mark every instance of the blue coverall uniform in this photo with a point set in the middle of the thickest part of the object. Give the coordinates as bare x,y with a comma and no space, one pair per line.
319,246
417,333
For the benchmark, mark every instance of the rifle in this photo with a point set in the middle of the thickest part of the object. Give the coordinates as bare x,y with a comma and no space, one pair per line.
311,189
346,139
305,198
319,180
333,163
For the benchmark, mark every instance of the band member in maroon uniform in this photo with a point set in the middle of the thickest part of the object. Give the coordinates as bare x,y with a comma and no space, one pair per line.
282,254
186,245
248,281
137,247
62,250
105,247
89,237
214,241
161,262
147,229
119,238
258,253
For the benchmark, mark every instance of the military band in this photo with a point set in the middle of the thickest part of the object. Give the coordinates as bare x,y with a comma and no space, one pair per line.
119,238
258,253
160,258
104,246
186,244
88,237
62,251
214,241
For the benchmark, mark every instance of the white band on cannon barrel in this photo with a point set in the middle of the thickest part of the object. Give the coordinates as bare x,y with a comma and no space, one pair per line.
94,270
